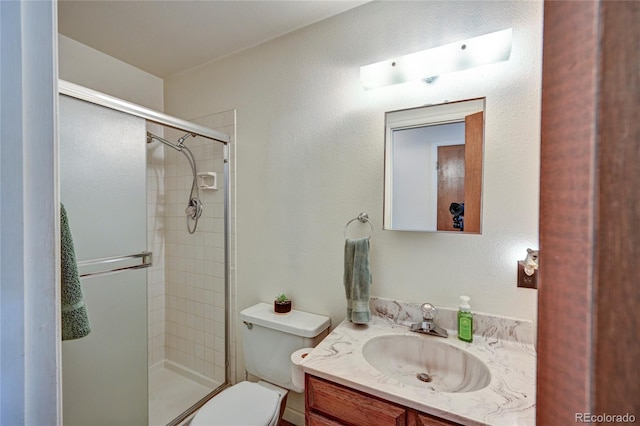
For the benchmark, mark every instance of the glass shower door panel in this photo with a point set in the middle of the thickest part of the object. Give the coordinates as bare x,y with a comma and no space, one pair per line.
103,188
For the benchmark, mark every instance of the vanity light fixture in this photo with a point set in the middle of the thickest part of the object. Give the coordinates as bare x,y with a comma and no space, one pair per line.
428,64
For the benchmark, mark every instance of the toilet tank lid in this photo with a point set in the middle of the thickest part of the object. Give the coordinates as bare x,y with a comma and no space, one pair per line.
298,323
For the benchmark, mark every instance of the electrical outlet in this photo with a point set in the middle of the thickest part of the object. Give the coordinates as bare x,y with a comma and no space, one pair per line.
527,281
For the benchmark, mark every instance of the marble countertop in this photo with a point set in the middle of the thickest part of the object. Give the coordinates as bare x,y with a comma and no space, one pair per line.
505,345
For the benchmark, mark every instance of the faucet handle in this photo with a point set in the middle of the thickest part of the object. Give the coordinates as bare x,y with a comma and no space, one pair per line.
428,311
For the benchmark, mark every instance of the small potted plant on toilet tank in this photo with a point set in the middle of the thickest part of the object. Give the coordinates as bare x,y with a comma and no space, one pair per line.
282,304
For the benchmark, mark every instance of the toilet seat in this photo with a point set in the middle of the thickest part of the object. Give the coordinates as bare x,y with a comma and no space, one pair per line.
243,404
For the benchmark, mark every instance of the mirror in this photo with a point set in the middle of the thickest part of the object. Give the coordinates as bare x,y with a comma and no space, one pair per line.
433,168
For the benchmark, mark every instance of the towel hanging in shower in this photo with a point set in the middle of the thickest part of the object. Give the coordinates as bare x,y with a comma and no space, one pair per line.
75,321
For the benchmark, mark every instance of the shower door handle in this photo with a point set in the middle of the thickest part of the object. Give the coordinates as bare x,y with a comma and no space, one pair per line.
145,256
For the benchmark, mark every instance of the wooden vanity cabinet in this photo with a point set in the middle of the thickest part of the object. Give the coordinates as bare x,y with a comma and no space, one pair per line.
331,404
416,418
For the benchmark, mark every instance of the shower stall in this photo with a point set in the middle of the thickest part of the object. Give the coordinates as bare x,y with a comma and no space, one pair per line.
148,202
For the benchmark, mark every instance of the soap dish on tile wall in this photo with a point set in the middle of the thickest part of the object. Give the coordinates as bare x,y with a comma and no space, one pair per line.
208,180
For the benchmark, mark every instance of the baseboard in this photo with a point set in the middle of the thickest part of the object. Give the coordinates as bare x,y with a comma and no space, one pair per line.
293,416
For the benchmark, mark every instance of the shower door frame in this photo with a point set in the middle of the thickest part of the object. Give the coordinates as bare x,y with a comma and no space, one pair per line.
82,93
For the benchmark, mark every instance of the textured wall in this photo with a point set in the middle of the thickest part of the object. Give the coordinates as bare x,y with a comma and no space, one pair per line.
91,68
310,155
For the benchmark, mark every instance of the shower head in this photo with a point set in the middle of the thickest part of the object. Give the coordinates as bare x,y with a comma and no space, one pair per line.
194,208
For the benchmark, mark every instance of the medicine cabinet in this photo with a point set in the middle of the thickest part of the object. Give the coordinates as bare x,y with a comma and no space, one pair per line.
433,167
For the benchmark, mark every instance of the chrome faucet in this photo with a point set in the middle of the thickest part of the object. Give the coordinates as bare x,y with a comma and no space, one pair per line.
428,325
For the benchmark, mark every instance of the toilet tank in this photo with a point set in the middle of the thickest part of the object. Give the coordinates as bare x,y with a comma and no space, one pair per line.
269,339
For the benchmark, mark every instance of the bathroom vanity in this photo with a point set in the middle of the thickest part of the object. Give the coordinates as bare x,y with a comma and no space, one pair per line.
324,398
383,374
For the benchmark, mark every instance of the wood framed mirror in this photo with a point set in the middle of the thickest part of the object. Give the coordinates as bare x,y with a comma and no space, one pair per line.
433,168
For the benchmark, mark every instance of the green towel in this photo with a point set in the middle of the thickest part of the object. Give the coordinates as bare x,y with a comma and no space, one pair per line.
357,280
75,321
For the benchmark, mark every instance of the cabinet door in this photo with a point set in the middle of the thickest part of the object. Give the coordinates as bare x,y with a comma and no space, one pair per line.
351,407
315,419
415,418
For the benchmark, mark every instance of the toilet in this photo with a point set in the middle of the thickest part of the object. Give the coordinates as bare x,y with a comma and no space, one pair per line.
268,340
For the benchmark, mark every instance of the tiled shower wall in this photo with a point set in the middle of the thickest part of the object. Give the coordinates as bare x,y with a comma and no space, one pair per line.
187,317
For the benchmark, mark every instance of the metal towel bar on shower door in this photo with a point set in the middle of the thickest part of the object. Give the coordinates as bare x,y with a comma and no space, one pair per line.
145,256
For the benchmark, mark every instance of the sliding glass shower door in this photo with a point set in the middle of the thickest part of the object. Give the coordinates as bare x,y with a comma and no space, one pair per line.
103,188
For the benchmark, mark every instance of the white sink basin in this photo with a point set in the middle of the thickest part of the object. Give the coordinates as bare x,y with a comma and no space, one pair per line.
426,362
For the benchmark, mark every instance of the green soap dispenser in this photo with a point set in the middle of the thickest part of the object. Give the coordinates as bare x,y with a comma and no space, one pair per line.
465,320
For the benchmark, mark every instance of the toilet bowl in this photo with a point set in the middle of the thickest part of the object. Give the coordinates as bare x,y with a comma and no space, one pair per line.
244,404
269,339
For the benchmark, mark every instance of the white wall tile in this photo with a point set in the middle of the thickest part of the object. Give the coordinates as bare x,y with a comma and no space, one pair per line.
186,316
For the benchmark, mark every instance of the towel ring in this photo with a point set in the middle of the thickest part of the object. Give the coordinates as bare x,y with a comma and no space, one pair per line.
362,217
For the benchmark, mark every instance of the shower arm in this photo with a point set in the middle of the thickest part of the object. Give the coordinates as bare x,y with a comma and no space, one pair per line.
151,137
